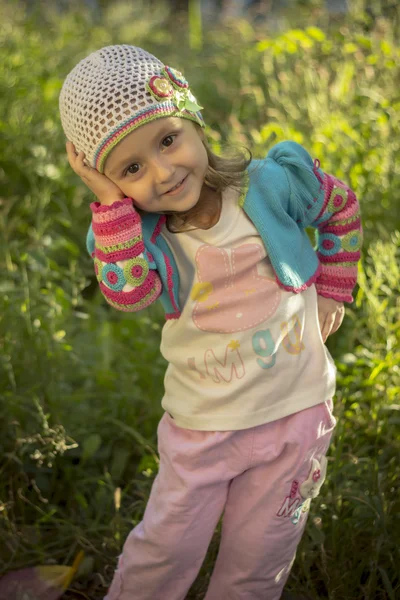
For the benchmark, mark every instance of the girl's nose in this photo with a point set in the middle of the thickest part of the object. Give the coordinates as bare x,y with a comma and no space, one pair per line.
163,170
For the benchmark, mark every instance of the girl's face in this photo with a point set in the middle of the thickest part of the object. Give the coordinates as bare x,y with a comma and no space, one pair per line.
161,165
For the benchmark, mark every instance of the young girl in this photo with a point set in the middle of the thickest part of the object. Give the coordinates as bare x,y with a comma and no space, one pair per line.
249,304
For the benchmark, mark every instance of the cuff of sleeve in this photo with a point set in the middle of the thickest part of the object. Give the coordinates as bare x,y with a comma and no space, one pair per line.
97,207
337,282
338,296
117,231
114,219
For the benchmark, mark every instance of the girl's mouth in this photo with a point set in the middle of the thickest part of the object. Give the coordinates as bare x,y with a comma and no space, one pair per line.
177,188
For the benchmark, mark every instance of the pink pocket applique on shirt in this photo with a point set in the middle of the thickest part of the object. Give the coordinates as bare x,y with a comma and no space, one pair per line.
227,295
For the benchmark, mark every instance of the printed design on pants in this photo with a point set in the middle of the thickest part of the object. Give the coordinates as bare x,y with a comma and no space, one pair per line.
311,486
292,502
292,331
293,508
302,508
230,366
299,499
227,295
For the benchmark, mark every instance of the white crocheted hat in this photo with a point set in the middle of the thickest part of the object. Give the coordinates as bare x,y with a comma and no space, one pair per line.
116,90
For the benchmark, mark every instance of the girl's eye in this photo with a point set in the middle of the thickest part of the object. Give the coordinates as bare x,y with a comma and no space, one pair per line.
133,169
168,140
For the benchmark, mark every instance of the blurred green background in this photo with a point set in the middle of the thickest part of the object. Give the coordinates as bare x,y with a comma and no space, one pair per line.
80,383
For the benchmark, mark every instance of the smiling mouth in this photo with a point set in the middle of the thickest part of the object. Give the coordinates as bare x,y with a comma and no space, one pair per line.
177,187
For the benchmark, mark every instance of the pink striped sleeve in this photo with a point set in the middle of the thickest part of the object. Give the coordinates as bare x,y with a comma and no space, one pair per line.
123,273
339,240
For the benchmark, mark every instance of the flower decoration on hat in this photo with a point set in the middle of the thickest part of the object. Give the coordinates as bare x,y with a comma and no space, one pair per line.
176,78
160,87
172,85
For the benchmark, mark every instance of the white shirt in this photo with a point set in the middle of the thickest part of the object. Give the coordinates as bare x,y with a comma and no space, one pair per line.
244,352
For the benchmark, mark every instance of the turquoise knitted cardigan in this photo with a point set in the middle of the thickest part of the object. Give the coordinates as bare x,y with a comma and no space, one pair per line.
285,195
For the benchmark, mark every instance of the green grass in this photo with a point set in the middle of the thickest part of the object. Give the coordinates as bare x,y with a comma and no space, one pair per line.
81,383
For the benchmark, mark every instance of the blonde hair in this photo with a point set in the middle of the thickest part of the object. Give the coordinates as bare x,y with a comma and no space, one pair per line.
222,172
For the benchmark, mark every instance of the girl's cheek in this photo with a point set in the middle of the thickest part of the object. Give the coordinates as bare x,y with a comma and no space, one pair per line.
129,190
140,202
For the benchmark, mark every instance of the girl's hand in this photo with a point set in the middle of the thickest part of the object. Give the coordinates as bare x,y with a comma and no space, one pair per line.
330,315
104,189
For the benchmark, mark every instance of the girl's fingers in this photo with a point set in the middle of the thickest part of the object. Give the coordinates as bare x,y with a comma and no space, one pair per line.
330,316
326,321
338,320
73,156
79,164
98,183
76,159
330,323
71,151
84,168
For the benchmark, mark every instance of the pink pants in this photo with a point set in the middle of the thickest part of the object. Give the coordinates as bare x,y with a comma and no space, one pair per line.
261,478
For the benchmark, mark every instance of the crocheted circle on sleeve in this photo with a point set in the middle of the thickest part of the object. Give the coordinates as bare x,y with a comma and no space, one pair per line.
113,277
136,270
352,241
329,244
98,269
337,200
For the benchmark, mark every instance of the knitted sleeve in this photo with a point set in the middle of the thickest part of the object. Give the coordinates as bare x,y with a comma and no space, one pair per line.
126,280
324,202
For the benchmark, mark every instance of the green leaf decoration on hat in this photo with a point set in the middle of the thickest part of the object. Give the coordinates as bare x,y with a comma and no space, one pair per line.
185,100
191,103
